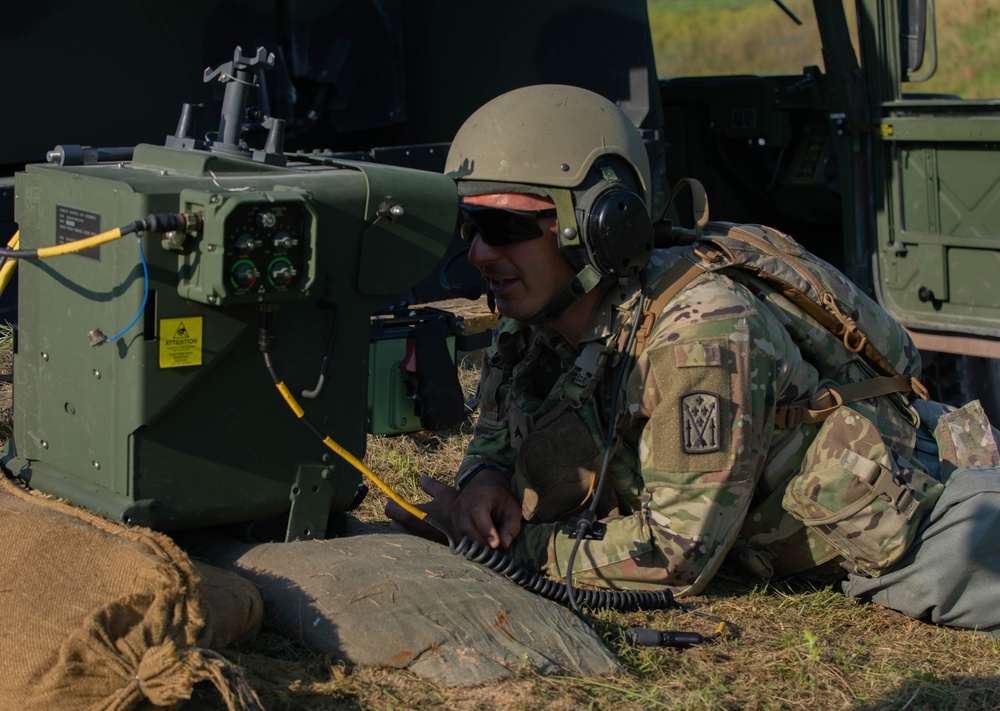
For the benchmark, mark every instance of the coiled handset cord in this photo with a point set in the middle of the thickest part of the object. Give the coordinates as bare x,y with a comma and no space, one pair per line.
502,562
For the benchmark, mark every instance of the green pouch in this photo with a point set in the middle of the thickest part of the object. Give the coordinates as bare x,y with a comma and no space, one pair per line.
853,494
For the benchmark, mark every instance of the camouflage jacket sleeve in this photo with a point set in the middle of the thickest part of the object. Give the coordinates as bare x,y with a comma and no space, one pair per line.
702,396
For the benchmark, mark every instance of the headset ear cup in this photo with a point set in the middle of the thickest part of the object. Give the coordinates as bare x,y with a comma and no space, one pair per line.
619,233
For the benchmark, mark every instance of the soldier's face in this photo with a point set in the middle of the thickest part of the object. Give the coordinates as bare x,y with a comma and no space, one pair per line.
524,275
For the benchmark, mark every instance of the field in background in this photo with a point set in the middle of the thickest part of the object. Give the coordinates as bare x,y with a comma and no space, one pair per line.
709,37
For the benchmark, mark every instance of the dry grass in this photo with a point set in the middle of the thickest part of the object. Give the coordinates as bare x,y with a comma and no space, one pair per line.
801,648
402,460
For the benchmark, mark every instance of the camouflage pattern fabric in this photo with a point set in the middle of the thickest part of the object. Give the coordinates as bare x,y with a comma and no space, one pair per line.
858,496
700,469
965,439
951,574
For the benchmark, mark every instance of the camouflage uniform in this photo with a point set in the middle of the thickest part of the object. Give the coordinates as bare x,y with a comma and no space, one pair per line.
701,474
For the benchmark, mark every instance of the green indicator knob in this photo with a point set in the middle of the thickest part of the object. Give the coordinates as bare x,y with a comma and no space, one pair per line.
244,274
280,272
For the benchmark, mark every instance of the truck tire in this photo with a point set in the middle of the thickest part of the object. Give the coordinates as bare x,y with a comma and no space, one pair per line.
981,381
958,379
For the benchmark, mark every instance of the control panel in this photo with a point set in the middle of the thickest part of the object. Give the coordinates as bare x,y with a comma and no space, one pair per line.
265,247
256,246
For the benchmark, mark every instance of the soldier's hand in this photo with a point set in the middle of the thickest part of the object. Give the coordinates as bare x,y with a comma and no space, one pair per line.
486,510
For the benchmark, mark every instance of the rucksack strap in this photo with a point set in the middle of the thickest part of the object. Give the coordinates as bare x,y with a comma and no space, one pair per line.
690,266
823,403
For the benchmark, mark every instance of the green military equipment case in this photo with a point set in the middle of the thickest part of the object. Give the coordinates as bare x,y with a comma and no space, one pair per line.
177,424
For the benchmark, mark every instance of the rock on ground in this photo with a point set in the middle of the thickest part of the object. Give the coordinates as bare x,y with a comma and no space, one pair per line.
389,599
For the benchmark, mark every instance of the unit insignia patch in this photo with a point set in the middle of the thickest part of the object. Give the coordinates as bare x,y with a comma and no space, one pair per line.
700,422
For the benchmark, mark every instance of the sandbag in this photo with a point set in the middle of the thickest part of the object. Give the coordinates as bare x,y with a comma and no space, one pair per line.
395,600
96,615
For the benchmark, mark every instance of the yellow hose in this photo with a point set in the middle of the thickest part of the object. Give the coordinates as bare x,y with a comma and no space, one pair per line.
350,458
7,271
356,463
80,245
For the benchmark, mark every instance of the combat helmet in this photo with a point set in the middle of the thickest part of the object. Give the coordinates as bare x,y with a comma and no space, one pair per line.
583,152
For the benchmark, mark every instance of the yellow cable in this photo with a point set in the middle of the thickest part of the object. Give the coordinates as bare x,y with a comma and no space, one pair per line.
110,236
7,271
292,402
354,462
350,458
80,245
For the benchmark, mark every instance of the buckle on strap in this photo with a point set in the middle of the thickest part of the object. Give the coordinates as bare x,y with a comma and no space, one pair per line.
881,482
588,364
708,253
919,389
646,322
808,411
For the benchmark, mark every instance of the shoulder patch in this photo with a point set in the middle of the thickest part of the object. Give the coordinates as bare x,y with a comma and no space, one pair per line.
700,422
691,428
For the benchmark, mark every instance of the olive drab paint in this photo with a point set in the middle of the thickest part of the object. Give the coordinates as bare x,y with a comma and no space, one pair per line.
176,424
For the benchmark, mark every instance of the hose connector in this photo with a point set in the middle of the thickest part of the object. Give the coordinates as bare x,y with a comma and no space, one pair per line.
164,222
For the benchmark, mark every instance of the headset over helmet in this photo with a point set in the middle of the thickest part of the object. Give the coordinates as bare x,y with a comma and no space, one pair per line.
581,150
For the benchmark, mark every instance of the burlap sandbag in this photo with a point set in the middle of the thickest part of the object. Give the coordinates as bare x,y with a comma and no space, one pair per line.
99,616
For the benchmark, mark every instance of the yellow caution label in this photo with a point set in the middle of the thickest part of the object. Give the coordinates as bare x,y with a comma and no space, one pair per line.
180,342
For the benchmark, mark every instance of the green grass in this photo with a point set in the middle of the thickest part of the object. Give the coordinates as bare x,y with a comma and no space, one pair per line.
719,37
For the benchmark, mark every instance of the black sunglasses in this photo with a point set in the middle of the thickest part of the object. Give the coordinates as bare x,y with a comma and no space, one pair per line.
500,226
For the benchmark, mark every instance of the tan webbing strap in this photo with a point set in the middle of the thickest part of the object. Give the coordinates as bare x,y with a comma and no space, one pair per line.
699,203
824,403
678,276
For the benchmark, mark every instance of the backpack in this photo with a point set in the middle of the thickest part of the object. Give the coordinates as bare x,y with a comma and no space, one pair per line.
881,344
856,492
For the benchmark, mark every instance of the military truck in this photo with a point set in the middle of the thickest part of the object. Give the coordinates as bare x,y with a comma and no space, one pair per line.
895,186
314,128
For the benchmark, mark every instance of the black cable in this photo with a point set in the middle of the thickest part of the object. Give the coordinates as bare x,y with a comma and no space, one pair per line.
502,562
466,291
